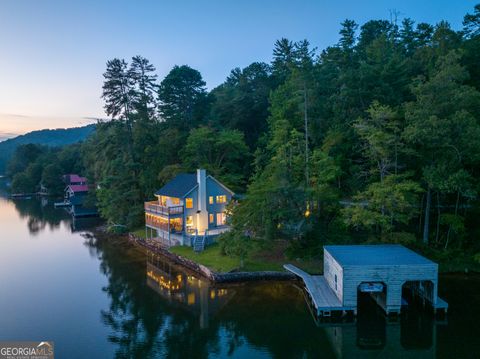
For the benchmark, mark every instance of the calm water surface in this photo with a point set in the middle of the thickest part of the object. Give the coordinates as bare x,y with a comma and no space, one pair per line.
101,298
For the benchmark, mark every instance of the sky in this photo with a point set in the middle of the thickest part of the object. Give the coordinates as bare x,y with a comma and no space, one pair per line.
53,53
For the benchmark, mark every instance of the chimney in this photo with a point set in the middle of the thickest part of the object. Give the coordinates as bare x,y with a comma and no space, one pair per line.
202,214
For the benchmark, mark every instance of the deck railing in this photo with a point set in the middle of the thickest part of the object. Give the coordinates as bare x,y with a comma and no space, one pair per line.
154,207
173,228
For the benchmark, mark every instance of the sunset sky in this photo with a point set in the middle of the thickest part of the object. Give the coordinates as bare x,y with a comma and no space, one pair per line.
53,53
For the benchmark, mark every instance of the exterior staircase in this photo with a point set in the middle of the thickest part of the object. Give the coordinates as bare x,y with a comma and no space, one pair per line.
199,242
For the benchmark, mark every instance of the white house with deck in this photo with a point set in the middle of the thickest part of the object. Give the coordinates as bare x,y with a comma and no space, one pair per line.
188,210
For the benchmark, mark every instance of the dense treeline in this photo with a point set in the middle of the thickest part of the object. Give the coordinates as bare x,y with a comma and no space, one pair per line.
52,138
377,136
35,165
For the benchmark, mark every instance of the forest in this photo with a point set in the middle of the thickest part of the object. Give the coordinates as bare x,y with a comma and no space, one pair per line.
373,139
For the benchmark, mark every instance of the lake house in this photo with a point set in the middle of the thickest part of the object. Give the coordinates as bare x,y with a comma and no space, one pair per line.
189,210
76,191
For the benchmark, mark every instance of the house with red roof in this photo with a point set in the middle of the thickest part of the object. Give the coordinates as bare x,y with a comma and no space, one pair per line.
74,179
75,193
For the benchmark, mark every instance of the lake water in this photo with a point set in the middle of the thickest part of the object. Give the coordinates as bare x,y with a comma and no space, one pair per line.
101,298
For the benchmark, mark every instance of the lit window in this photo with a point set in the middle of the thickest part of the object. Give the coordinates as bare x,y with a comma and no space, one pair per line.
189,221
189,202
222,199
210,200
210,217
221,219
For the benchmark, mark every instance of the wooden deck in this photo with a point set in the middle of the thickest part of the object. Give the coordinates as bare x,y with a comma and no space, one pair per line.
322,296
441,304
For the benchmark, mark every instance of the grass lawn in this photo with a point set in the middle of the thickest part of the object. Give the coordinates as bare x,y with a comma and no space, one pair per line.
139,232
213,258
260,260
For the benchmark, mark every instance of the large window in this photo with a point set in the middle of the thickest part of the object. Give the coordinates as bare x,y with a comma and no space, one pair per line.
189,202
189,224
168,201
221,217
222,199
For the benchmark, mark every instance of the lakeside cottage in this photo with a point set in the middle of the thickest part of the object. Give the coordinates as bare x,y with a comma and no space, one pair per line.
75,192
189,210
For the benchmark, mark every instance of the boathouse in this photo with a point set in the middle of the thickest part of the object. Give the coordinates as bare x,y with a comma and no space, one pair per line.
385,272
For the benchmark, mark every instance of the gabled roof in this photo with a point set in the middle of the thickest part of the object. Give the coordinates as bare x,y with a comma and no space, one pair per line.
74,178
78,187
221,184
179,186
375,254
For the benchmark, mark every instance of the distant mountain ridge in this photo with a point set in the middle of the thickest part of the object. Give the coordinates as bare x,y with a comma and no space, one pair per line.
53,138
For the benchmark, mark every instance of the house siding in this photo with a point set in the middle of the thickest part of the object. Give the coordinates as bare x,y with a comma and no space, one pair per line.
330,269
200,220
215,189
392,276
190,211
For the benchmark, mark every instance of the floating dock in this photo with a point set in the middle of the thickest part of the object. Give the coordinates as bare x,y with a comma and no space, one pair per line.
62,204
321,295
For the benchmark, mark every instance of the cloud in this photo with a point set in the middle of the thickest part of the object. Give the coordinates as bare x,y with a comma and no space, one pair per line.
15,115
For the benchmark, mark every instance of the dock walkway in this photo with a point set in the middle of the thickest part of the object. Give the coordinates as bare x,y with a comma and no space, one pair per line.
322,296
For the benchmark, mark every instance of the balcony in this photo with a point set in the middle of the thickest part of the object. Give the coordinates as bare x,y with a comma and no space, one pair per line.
173,227
154,207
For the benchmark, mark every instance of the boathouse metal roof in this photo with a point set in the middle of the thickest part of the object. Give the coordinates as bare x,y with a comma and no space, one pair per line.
383,254
74,178
179,186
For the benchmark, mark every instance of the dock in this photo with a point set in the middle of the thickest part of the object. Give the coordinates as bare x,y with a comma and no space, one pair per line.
62,204
322,297
388,273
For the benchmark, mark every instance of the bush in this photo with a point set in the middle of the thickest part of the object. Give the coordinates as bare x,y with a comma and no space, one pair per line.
476,257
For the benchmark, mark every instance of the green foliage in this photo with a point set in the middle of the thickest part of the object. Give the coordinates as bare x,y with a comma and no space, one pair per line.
236,245
476,257
241,102
22,183
51,138
211,257
182,95
384,204
222,153
374,137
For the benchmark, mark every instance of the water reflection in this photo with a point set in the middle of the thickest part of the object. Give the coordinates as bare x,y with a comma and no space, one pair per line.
149,308
179,287
158,309
40,214
412,335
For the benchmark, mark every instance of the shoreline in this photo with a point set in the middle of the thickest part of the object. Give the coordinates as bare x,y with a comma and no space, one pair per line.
205,272
224,277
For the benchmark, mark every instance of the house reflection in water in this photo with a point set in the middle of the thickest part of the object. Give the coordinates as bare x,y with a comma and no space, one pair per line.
383,339
196,295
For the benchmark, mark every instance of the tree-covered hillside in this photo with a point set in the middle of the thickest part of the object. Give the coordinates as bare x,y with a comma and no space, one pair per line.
375,138
52,138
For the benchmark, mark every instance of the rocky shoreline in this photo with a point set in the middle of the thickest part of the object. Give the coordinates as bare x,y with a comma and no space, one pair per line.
230,277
